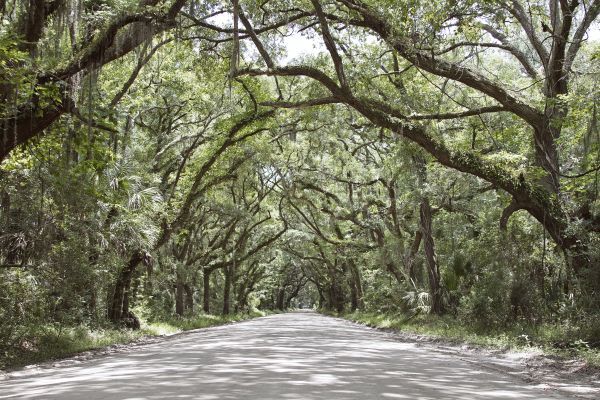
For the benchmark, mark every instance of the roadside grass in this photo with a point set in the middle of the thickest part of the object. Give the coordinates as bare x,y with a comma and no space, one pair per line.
175,325
52,342
554,340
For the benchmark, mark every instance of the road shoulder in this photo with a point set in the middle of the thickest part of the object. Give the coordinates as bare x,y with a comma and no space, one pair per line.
569,376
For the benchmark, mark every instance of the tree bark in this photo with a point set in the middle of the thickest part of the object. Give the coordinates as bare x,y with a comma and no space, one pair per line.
353,296
206,292
335,297
410,259
179,294
539,200
119,307
189,298
357,296
280,299
435,287
322,302
121,36
228,271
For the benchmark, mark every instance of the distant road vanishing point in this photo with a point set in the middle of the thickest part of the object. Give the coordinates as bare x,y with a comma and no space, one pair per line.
298,355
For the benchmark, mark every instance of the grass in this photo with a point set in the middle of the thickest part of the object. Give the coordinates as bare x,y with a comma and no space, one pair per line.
541,338
52,343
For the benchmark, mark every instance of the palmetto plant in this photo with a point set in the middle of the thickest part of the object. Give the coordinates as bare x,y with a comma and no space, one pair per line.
418,300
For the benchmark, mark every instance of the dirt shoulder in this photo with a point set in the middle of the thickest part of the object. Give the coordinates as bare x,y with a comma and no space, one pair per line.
113,349
571,376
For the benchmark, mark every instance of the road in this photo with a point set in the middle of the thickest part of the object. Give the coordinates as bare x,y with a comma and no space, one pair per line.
291,356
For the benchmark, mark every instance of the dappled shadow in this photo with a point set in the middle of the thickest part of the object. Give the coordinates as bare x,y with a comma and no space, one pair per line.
290,356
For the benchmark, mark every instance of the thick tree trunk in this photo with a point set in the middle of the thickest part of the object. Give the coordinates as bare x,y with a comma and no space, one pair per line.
243,291
179,294
280,299
33,25
206,292
335,301
118,311
546,156
148,288
322,302
338,292
357,296
410,258
240,298
228,271
353,297
330,300
189,298
435,288
339,300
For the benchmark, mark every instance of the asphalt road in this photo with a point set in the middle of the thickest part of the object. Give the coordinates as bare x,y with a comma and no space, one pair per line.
288,356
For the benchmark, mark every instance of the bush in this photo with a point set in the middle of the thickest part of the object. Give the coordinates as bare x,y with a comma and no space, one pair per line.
21,310
488,303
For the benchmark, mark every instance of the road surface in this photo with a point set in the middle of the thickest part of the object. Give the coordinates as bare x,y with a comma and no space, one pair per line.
298,355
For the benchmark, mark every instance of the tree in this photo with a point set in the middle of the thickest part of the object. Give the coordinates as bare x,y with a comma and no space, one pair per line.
426,49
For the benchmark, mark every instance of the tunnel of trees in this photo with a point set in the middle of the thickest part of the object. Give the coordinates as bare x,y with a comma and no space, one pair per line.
176,157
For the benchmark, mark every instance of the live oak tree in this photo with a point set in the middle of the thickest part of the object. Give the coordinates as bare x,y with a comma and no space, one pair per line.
440,48
162,154
89,47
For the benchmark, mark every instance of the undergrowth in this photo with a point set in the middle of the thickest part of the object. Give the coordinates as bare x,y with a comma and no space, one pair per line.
52,342
549,339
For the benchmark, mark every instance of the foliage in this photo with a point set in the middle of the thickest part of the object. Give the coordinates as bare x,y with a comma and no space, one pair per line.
52,342
548,338
423,158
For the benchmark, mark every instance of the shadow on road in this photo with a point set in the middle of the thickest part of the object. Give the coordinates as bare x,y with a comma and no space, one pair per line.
289,356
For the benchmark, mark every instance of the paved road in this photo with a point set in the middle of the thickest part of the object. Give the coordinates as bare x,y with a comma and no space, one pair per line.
290,356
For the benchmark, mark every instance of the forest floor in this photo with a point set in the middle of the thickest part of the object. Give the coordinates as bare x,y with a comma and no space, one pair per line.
296,356
573,370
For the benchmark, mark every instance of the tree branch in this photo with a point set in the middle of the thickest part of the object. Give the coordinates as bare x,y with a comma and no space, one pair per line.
578,37
443,68
330,45
468,113
508,212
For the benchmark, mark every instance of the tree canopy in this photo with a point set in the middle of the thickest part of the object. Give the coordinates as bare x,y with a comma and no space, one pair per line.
424,156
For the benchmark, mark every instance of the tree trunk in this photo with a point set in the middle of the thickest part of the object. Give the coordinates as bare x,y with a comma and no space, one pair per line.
243,290
189,298
435,289
392,269
228,271
335,298
321,298
340,306
357,295
280,299
148,288
546,154
119,306
179,292
353,297
240,298
410,259
206,292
